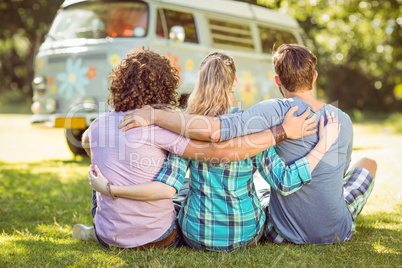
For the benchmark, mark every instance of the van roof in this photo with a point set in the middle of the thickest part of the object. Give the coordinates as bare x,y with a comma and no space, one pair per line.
228,7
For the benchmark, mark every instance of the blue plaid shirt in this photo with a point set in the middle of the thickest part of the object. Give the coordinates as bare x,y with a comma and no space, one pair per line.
222,211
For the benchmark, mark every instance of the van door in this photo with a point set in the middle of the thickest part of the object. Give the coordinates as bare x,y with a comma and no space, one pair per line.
235,36
270,38
251,45
187,54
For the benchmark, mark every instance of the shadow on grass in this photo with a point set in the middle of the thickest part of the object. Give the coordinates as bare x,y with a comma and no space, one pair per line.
371,247
46,193
40,202
380,232
367,148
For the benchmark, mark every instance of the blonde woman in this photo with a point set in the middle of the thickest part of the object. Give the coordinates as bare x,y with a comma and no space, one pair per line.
221,210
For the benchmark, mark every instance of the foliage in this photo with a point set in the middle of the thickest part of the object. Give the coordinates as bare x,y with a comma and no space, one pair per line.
395,122
359,48
41,201
358,44
23,25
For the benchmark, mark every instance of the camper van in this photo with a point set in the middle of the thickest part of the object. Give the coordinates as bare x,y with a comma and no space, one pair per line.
89,38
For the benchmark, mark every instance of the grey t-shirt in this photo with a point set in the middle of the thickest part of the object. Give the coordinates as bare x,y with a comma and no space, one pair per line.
317,213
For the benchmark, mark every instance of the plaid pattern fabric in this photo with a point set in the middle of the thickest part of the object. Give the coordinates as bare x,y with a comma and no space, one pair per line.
273,235
358,185
222,211
270,232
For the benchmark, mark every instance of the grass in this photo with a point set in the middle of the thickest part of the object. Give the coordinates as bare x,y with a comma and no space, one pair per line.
391,121
394,121
40,201
15,102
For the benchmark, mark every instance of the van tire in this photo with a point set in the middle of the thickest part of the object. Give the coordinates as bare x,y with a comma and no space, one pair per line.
73,138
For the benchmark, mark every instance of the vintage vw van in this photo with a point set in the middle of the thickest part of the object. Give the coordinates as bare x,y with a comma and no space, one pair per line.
88,38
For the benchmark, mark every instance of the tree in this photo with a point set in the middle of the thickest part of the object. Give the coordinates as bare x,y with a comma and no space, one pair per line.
358,44
23,25
359,49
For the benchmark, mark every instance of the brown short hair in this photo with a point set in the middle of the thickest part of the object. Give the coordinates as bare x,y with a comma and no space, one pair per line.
295,66
142,78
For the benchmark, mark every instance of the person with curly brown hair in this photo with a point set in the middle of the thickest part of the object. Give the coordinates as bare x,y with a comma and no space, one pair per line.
142,78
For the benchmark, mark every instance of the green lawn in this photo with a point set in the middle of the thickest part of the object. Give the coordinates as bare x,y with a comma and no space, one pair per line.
40,201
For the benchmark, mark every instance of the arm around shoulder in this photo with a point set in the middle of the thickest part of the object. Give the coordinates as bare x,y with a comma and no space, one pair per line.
196,127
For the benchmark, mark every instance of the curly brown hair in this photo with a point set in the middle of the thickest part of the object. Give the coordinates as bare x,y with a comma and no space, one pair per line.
143,78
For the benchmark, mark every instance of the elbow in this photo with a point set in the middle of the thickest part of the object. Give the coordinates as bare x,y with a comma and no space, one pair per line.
170,193
215,133
215,136
285,193
86,147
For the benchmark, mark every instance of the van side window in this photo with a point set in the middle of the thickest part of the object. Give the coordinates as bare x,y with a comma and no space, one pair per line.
229,35
270,37
174,18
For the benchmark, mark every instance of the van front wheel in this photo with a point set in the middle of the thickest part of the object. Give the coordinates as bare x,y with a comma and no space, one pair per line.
73,137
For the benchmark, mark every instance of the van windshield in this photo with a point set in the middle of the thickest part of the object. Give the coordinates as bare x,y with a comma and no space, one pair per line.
92,21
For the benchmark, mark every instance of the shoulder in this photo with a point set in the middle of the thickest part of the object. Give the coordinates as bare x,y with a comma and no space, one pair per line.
281,106
101,118
343,117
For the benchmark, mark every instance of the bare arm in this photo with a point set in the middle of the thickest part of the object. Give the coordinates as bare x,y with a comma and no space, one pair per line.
244,147
198,127
85,143
145,191
327,136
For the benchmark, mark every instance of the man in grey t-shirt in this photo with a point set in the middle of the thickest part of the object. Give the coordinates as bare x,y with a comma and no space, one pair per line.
322,212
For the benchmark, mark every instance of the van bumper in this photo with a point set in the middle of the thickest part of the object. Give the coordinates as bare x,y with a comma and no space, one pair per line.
79,121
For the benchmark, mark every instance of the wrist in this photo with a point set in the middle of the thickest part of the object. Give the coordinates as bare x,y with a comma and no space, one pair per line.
109,191
279,133
320,147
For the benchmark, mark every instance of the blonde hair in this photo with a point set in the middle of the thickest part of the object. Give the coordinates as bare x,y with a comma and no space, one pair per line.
213,90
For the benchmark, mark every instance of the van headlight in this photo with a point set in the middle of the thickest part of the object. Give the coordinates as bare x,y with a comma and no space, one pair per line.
36,107
39,85
51,105
89,105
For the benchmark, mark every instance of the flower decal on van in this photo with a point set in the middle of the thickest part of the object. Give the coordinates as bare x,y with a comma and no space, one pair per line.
74,79
174,60
247,89
40,63
91,74
114,60
266,85
51,84
190,64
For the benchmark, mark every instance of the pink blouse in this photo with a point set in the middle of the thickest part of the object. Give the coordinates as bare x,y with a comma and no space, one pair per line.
125,158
